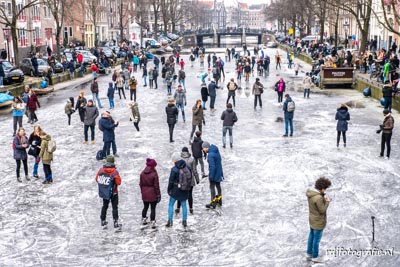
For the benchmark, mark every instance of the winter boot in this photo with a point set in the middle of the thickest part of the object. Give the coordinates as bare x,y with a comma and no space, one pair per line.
144,221
191,211
177,211
213,203
169,223
184,223
36,176
27,177
117,226
104,224
19,179
153,224
218,200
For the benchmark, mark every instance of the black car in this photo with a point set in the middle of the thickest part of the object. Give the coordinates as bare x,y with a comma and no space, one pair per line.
12,73
58,67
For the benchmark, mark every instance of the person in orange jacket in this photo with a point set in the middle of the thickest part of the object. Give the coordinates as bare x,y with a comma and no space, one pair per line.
108,180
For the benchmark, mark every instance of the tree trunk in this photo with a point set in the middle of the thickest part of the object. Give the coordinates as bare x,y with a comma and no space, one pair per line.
336,30
14,38
58,32
121,30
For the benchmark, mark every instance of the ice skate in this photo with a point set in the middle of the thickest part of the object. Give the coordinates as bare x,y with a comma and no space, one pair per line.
144,221
117,226
104,224
169,223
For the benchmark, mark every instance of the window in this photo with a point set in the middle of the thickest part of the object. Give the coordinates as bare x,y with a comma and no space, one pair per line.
3,6
36,36
9,9
70,31
22,37
45,11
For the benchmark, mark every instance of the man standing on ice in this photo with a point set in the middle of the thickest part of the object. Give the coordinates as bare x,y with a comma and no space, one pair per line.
215,174
108,180
318,204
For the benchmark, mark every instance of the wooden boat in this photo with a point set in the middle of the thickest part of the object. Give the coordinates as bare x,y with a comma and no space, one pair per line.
6,107
43,91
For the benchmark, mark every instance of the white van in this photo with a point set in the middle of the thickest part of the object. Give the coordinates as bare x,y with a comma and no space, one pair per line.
153,43
311,38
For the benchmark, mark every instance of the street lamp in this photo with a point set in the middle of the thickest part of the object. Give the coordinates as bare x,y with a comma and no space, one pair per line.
6,33
82,28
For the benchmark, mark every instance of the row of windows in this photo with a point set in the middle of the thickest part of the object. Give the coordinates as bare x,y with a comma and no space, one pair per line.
35,10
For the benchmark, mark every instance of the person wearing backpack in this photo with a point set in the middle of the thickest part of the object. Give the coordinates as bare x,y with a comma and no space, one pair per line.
47,148
187,157
215,173
91,114
108,180
258,89
20,144
280,87
180,180
288,108
232,87
150,190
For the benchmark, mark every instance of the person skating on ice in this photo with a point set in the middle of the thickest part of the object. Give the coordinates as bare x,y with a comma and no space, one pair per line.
215,173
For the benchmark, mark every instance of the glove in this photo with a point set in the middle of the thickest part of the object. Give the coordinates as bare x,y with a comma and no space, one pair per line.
204,122
158,198
381,126
185,103
378,131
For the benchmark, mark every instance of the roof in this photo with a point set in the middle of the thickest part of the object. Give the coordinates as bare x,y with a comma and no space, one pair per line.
209,4
244,6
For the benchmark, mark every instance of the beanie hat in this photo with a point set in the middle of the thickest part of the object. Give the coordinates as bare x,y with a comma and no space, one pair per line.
151,162
185,149
176,156
205,144
110,159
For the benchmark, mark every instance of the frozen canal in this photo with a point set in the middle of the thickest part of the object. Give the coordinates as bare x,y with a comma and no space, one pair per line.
264,219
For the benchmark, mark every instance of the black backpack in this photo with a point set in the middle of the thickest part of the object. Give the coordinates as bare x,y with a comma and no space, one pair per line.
185,179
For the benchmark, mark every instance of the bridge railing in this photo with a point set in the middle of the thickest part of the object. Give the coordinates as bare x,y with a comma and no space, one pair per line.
227,30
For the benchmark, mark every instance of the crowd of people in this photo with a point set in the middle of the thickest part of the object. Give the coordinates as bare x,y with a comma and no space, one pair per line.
184,174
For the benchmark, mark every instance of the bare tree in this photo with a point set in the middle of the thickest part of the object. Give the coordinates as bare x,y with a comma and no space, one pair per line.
58,9
156,9
94,9
11,21
165,10
176,13
391,15
361,10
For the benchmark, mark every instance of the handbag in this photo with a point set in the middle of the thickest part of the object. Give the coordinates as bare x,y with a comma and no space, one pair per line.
33,151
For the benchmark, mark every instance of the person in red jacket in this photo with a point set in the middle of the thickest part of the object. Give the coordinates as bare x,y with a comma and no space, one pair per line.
182,64
94,70
150,189
108,180
32,105
80,58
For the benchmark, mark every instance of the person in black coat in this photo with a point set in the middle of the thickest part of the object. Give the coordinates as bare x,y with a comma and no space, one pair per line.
71,67
2,74
212,92
342,117
35,66
172,113
197,152
80,105
204,95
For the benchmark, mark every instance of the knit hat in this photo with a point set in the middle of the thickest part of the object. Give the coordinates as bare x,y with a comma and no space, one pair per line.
386,111
151,162
205,144
171,100
176,156
185,149
110,159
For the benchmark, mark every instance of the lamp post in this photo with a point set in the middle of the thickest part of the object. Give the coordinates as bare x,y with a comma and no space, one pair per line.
6,33
82,28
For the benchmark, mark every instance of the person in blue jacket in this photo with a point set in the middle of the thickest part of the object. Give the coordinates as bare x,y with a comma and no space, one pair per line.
215,173
18,107
107,125
110,94
174,192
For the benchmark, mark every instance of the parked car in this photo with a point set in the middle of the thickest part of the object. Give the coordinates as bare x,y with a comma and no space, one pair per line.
272,45
58,67
87,56
172,36
27,68
12,73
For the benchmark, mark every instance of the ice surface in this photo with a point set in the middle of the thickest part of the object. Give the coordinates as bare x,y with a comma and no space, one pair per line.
264,219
